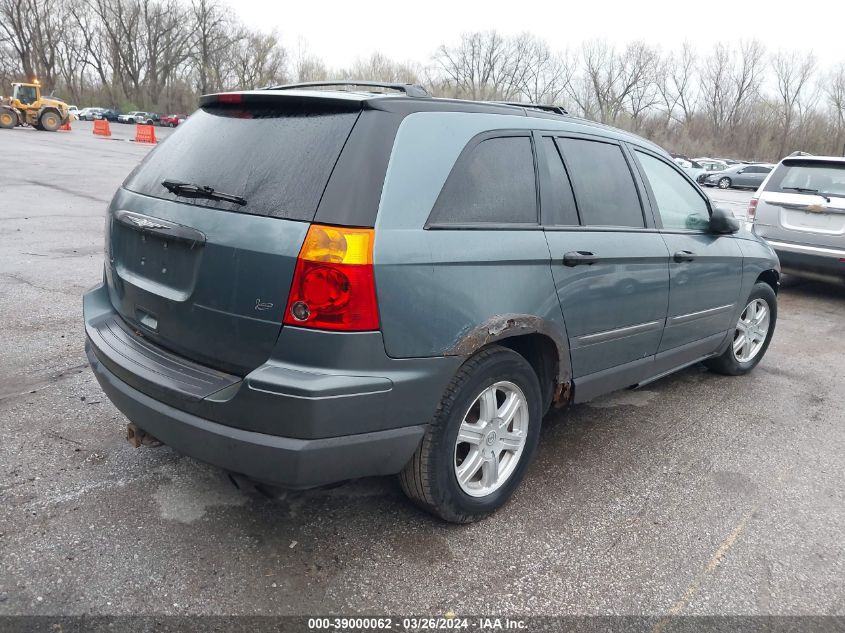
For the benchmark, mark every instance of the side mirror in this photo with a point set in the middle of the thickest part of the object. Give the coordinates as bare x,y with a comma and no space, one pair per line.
723,222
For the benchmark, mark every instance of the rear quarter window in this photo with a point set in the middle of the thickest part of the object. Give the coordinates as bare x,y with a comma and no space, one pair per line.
493,182
278,161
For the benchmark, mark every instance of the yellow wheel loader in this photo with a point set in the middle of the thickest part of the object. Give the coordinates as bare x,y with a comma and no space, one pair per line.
27,107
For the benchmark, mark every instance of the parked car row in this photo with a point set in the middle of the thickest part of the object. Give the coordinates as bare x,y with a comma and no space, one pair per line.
724,173
136,116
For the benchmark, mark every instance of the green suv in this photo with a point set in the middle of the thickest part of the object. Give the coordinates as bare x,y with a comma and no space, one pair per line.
314,283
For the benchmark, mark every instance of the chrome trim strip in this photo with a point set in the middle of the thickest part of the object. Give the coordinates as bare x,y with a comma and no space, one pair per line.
801,248
159,226
692,316
609,335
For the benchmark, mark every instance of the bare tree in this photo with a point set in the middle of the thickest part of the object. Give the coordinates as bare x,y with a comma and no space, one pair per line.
835,97
676,84
716,86
615,83
792,74
15,27
259,60
379,67
639,91
746,79
546,75
166,43
152,54
213,37
307,66
485,65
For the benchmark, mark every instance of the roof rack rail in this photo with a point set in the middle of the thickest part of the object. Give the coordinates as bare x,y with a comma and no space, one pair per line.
411,90
554,109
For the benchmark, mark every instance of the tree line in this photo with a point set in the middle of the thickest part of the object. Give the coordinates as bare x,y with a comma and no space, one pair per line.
740,100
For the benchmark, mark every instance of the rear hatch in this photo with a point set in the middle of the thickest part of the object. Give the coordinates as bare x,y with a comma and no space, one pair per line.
803,202
207,275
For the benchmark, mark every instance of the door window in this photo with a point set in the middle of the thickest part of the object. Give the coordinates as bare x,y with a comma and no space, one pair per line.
603,184
562,210
493,183
679,204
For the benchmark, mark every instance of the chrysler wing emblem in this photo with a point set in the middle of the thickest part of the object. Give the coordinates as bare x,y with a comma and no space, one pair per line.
144,223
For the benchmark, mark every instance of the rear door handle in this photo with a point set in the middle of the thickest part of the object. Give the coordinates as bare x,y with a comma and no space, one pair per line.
684,256
579,258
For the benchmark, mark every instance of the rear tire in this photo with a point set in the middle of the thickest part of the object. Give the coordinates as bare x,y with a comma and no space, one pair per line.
50,121
738,359
507,437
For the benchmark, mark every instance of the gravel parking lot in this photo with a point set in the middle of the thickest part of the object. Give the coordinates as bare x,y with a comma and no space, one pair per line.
699,494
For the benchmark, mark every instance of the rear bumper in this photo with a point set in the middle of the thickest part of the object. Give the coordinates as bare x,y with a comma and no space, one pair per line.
810,261
284,461
325,407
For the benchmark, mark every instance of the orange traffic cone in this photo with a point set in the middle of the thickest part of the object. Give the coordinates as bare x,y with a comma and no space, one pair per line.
65,127
145,134
102,128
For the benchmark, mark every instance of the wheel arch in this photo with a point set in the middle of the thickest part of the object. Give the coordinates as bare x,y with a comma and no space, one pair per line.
541,342
46,109
771,277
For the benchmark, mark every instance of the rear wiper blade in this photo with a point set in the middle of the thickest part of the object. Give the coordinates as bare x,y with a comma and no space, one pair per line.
806,190
188,190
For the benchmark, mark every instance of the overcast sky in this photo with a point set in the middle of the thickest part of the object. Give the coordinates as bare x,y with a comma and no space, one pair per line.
339,32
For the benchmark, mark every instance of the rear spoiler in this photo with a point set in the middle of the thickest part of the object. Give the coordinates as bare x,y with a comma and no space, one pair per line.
293,100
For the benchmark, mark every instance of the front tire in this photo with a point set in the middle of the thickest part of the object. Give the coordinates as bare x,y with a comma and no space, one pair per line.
481,440
752,334
50,121
8,119
725,183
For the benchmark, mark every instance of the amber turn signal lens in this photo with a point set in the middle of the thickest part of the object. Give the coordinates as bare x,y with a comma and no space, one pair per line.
338,245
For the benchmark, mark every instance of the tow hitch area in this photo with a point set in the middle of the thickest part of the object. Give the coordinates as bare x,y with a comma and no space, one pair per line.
139,437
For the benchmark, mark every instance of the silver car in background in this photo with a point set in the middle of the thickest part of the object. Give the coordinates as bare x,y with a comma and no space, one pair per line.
709,166
800,211
739,177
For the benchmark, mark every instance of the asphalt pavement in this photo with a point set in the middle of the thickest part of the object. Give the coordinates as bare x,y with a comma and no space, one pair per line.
698,494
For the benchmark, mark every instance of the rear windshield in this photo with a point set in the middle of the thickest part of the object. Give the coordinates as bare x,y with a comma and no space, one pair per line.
278,161
809,177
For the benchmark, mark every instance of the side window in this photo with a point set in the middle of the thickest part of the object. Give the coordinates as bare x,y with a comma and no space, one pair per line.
679,204
563,211
604,187
494,183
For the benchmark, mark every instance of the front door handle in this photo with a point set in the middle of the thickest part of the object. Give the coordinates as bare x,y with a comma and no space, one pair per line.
579,258
684,256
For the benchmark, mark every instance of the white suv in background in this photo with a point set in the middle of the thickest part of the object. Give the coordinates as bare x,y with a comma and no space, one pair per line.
800,211
130,117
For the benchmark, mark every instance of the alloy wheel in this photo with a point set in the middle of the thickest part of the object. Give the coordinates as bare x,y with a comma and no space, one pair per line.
751,330
491,439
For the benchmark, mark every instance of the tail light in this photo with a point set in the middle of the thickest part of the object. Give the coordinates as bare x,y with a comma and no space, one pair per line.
752,209
333,284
